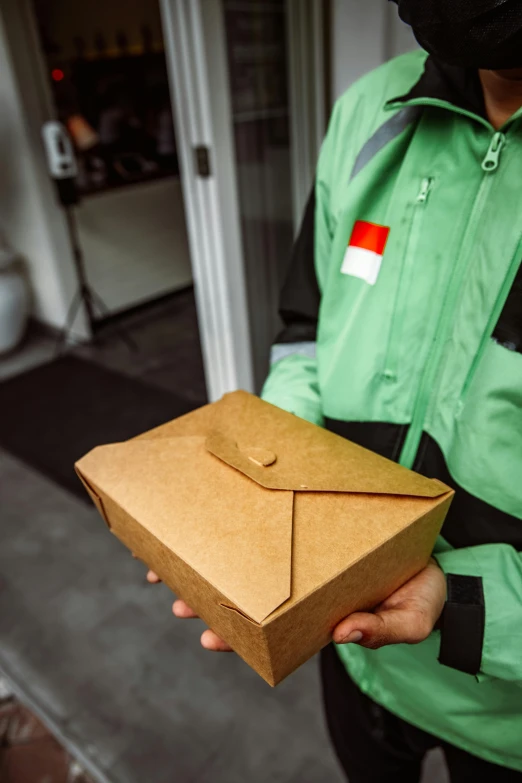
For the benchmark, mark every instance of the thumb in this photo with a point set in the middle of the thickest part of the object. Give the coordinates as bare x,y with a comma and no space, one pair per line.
389,626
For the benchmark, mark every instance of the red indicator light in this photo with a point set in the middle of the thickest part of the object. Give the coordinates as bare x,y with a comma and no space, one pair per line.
57,74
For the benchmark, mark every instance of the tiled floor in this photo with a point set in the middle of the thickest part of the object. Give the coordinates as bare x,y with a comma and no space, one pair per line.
28,751
134,241
95,650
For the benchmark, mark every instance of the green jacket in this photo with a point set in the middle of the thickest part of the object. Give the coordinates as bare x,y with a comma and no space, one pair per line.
410,343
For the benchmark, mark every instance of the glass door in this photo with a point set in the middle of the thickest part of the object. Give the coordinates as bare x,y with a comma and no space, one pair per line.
258,66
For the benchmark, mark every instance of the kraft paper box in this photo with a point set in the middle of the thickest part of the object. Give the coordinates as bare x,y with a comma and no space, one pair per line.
272,529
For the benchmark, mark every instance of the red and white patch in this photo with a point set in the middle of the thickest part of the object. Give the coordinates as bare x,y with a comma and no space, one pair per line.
365,250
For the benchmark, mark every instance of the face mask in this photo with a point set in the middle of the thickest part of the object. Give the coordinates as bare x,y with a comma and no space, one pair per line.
469,33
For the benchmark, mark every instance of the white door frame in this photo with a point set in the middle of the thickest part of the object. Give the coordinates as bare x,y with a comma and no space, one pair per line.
194,37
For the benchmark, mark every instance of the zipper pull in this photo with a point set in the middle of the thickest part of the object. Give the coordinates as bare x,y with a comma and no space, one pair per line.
490,162
424,190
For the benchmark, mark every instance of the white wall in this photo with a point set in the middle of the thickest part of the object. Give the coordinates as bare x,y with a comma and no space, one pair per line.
363,36
400,36
33,223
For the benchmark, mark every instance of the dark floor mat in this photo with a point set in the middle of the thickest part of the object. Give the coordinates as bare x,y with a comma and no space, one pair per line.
52,415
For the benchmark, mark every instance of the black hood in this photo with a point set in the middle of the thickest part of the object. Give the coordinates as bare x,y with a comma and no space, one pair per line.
468,33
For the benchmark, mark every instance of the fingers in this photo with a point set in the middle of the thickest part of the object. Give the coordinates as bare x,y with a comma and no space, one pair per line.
211,641
391,626
357,627
182,610
407,616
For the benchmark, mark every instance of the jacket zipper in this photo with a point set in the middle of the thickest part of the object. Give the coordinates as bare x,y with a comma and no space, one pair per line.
409,260
427,383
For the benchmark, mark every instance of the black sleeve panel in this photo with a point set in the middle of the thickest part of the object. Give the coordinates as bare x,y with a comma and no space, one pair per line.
462,624
470,520
508,331
300,297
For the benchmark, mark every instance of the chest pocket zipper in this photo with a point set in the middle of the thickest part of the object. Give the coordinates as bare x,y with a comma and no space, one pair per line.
409,261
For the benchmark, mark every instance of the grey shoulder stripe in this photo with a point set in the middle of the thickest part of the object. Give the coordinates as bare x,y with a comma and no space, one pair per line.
384,134
282,350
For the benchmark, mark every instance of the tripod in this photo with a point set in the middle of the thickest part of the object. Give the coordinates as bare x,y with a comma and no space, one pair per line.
85,294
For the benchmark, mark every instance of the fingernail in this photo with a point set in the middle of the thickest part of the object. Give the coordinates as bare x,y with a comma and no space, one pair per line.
354,636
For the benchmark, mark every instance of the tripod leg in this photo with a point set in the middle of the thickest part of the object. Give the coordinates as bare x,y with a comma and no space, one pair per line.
85,293
69,321
102,308
89,297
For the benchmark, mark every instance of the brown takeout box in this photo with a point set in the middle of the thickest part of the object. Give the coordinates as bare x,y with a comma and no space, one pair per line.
271,528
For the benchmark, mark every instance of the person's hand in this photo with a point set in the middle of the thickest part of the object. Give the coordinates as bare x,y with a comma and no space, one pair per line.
407,616
209,639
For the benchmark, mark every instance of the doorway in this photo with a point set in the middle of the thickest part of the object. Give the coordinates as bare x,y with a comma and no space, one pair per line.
108,79
250,93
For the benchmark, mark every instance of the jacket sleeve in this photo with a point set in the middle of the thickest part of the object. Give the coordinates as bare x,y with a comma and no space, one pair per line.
293,383
481,625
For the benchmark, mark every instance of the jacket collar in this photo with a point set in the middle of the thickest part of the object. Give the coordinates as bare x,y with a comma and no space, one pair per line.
458,86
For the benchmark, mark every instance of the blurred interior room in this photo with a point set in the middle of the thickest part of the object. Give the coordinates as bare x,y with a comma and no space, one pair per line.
107,75
196,128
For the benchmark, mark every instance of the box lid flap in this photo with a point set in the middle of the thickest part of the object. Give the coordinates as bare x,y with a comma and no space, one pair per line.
316,460
237,535
305,456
